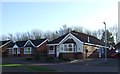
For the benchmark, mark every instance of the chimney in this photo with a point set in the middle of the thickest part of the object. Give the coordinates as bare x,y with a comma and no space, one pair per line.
88,39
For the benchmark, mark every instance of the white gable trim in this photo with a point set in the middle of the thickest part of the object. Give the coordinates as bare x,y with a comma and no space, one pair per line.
15,46
42,43
95,45
30,42
67,36
51,44
5,44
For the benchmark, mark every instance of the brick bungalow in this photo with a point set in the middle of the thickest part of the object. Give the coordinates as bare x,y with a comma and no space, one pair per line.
76,45
3,46
28,47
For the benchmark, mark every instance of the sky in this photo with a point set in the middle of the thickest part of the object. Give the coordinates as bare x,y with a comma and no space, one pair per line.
22,16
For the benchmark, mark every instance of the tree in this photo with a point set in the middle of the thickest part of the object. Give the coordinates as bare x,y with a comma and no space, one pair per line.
78,29
37,34
114,30
110,38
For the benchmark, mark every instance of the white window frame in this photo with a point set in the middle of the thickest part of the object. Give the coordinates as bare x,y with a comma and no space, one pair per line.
26,50
10,51
68,47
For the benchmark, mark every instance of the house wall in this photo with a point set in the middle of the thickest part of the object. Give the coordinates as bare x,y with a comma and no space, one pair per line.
78,55
79,44
60,50
42,50
90,51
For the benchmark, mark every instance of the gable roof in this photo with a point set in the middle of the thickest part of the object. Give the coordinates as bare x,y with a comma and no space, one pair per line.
37,41
117,46
21,43
57,40
84,38
3,43
81,36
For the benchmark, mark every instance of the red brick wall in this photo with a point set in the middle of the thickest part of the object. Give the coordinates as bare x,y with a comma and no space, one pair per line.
42,50
71,55
22,51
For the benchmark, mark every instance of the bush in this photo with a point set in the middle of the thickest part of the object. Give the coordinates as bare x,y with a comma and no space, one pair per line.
37,56
50,59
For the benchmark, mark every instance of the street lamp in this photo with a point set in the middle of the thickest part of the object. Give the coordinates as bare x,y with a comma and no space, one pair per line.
105,43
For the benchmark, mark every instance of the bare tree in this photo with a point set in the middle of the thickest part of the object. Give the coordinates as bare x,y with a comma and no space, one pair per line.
3,37
37,34
114,30
78,29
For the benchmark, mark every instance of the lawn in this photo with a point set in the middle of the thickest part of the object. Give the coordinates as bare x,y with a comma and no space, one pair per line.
31,68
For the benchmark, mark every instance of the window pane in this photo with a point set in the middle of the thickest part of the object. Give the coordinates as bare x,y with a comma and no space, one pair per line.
65,46
70,49
51,47
70,45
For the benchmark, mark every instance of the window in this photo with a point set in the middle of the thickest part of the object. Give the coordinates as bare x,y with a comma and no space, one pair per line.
68,47
27,50
10,51
51,47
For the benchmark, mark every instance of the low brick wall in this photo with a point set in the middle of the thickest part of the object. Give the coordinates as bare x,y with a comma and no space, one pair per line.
71,55
51,55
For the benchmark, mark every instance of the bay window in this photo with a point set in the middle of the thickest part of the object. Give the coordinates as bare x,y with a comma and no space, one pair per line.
68,47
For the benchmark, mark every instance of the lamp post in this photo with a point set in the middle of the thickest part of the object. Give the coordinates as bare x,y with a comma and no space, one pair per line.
105,43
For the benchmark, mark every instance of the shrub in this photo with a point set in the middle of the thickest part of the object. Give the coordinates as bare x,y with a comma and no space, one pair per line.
37,56
50,59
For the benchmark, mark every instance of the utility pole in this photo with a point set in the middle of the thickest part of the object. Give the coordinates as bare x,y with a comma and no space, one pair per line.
105,42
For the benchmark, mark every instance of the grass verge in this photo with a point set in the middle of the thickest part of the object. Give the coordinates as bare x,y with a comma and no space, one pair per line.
28,67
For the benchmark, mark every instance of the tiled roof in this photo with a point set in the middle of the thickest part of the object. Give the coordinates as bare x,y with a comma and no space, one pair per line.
117,45
37,41
84,38
3,42
81,36
57,40
21,43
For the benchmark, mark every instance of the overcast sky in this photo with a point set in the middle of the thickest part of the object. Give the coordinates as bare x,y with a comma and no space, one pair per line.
51,15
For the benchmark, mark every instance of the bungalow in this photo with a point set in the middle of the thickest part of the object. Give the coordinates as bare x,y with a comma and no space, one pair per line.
76,45
3,46
28,47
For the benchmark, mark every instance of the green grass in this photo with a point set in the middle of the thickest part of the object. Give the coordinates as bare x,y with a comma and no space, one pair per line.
31,68
11,65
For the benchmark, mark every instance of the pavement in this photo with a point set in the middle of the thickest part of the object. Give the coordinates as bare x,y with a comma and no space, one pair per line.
88,65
